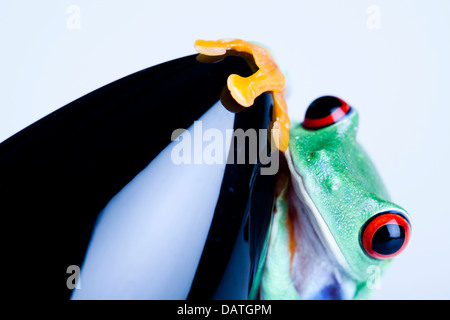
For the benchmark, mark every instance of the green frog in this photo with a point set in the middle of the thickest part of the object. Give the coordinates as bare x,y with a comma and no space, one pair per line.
333,230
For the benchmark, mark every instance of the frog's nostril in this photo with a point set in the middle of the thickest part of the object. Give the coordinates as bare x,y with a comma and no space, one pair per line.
324,112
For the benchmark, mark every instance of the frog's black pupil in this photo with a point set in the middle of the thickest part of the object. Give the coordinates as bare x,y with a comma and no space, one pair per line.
388,239
322,107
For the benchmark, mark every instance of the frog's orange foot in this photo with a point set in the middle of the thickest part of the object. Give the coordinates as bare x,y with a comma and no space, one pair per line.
246,90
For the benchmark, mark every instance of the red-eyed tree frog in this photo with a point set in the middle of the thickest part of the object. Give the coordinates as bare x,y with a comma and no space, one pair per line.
333,229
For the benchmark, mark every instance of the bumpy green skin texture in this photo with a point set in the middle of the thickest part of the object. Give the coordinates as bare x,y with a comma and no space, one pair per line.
345,188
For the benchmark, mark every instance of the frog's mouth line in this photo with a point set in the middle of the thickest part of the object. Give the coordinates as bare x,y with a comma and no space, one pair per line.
317,263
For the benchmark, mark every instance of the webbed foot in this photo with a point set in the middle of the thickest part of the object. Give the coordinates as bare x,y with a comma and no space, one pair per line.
246,89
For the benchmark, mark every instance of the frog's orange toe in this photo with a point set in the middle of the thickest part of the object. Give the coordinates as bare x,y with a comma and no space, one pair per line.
240,90
209,48
280,136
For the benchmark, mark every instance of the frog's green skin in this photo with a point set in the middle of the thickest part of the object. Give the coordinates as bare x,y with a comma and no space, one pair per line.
340,189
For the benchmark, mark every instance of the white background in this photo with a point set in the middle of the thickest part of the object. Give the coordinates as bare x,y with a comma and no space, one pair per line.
396,75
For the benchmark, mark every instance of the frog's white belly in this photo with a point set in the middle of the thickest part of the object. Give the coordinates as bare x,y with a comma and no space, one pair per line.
149,238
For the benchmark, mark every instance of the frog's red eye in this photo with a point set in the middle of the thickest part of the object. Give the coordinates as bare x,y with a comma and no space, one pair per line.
385,235
324,112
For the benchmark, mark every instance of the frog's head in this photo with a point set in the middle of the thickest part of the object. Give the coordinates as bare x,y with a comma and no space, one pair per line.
341,227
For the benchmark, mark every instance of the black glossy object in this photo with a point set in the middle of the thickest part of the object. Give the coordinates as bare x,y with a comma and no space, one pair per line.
231,206
57,174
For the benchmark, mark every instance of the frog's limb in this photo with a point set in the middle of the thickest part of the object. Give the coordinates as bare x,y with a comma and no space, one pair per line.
282,124
276,277
246,90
